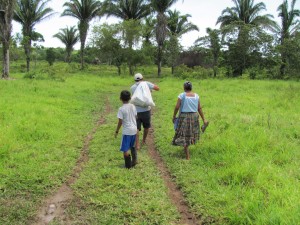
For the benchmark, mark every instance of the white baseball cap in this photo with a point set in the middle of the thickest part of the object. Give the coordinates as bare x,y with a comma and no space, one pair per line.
138,77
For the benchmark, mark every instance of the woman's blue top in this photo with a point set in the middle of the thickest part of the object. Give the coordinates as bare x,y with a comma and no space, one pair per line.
190,103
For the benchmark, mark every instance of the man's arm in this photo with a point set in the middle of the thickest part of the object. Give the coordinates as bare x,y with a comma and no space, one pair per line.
156,88
152,86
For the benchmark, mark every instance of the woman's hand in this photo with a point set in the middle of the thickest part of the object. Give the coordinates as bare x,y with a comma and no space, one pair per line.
204,126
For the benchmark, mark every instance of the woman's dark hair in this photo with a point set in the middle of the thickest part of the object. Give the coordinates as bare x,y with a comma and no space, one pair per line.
187,86
125,95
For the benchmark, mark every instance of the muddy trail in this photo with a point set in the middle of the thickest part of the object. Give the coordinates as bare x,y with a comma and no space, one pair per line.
174,193
55,205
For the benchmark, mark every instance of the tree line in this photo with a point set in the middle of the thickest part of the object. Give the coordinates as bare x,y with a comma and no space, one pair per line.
149,33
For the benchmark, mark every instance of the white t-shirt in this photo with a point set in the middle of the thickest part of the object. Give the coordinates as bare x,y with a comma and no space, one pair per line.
127,113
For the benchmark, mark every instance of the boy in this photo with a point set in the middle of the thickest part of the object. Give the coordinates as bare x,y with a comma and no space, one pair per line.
127,117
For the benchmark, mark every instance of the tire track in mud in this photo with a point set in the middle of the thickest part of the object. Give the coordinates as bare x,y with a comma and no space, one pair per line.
174,192
54,206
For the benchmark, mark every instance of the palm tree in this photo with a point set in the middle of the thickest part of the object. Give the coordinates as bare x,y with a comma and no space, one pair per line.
28,13
244,16
128,10
245,12
161,6
6,15
289,26
148,29
69,37
177,25
84,11
213,43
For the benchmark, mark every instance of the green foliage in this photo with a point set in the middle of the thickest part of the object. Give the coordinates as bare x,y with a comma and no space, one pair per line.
198,72
50,56
291,50
105,39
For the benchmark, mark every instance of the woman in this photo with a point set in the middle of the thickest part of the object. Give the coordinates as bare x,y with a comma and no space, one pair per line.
188,131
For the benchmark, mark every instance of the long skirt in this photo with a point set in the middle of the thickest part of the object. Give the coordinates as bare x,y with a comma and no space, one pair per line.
188,129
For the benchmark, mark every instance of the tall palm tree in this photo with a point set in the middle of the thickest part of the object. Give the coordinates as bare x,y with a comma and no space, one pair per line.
69,37
84,11
178,25
29,13
289,26
6,15
242,16
161,6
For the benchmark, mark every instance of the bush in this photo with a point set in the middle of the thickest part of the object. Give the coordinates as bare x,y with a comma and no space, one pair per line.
198,72
50,56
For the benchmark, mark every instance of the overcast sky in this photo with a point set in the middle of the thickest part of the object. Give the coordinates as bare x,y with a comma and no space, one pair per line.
204,13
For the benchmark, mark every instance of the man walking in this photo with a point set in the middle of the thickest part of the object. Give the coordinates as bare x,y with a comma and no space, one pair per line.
143,113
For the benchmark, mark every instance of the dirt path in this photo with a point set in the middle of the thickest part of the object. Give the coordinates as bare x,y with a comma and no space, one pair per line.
54,206
175,194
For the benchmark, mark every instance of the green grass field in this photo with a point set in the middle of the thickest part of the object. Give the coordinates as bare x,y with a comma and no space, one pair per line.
244,170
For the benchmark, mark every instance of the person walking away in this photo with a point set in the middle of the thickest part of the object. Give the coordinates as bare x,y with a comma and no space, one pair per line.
188,130
127,118
143,113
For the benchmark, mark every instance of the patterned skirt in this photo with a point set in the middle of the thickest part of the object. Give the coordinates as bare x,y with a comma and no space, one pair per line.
188,129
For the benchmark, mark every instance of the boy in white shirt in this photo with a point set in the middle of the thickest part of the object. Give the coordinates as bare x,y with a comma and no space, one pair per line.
127,117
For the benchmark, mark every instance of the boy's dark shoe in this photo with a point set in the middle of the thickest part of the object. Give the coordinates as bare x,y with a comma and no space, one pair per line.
134,156
127,161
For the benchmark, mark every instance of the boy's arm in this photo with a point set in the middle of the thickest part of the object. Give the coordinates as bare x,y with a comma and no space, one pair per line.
118,127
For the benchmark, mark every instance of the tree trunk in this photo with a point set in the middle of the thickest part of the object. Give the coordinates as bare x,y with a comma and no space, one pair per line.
5,74
161,32
283,57
7,9
27,47
131,70
159,60
81,56
282,67
68,56
215,71
83,28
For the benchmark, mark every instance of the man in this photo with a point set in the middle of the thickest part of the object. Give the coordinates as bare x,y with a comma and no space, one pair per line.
143,113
